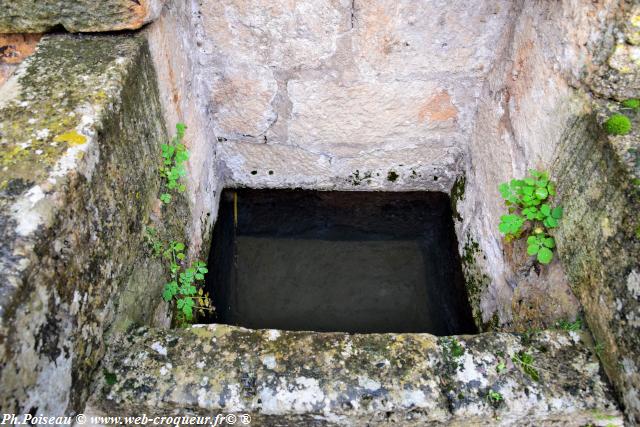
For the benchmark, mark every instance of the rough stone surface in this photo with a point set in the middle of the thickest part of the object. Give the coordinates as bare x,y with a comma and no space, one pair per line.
79,144
15,48
305,378
600,248
329,94
528,100
37,16
599,241
179,56
354,88
451,98
439,93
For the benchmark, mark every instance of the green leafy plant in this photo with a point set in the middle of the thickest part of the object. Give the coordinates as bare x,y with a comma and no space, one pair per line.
565,325
185,285
174,155
525,361
452,352
109,377
495,397
501,367
618,124
186,282
632,103
541,246
453,347
530,212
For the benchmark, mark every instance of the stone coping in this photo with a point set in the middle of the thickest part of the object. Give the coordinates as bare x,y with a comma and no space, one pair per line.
21,16
308,378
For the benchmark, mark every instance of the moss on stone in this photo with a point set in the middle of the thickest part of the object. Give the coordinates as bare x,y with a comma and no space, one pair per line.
76,271
457,195
476,282
74,15
288,378
597,244
45,118
618,124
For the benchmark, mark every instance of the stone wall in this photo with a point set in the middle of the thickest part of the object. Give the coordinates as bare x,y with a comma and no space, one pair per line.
528,99
338,94
599,241
80,145
330,94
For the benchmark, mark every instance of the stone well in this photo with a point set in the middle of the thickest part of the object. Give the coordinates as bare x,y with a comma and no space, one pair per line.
326,95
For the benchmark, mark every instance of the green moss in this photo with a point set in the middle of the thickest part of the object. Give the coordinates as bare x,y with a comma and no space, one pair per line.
618,124
476,282
392,176
109,377
457,195
632,103
67,75
356,178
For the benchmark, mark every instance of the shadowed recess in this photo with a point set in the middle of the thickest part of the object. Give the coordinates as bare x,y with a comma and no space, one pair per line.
359,262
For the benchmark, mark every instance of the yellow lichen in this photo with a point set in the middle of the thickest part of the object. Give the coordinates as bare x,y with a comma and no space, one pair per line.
71,138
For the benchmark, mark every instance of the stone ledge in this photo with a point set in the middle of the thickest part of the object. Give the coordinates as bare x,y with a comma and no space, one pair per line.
292,378
78,179
21,16
428,167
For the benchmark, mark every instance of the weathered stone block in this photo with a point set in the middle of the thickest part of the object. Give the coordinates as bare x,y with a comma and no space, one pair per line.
15,48
37,16
306,378
599,243
80,128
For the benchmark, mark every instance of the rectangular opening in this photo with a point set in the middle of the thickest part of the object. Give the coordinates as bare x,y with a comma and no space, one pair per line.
361,262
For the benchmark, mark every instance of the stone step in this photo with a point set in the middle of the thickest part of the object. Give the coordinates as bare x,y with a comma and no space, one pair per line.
305,378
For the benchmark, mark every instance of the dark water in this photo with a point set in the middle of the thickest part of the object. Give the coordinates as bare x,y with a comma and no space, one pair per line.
338,261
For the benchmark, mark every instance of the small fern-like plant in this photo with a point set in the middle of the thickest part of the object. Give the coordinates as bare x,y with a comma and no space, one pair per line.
174,155
186,282
531,213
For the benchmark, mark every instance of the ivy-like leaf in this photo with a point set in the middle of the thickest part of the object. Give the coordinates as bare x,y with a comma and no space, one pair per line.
549,242
550,222
545,255
541,193
545,209
510,224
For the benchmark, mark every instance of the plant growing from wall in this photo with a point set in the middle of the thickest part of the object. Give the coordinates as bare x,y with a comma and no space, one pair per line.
526,362
495,398
531,213
174,155
185,285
